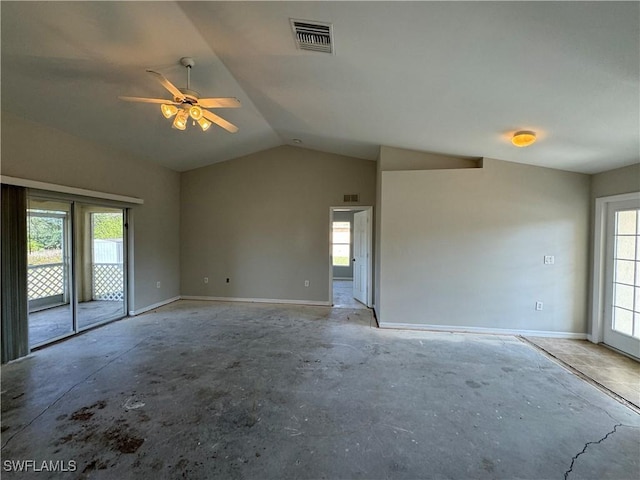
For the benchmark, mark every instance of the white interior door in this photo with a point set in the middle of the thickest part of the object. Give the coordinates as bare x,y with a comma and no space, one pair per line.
622,292
362,257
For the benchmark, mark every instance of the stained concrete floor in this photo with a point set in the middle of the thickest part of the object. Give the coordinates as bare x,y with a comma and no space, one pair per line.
205,390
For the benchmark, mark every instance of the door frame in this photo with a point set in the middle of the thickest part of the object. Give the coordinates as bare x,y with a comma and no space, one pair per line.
73,248
353,208
599,279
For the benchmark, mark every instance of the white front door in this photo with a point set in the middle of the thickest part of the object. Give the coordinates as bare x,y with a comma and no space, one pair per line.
362,256
622,286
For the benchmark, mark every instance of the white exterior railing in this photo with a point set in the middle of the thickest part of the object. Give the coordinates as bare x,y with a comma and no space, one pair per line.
49,280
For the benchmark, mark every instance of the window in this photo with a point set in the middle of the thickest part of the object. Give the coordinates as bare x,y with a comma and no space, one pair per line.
626,277
341,248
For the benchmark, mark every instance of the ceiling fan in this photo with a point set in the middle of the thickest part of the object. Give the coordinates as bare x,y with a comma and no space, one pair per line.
187,103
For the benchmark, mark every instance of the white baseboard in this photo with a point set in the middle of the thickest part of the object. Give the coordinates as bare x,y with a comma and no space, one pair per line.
257,300
133,313
483,330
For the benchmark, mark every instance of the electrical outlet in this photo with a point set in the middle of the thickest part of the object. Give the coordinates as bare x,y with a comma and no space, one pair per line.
539,305
157,284
206,279
306,283
549,260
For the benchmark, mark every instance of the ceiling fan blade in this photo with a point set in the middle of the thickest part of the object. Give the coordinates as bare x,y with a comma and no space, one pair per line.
147,100
177,94
220,102
221,122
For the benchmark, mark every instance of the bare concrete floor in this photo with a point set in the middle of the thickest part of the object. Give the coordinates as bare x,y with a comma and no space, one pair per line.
203,390
343,295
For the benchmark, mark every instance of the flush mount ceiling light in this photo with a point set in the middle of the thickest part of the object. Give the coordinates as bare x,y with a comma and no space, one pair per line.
187,103
523,138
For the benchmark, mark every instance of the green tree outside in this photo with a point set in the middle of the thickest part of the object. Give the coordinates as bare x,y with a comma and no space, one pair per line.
45,233
107,225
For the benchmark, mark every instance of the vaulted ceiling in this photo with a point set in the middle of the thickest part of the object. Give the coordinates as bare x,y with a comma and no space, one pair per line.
445,77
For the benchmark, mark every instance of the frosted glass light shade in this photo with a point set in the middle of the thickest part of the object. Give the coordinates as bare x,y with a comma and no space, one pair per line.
523,138
168,110
195,112
204,124
180,122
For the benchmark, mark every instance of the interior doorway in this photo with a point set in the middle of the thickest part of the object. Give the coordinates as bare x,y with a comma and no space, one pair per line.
351,249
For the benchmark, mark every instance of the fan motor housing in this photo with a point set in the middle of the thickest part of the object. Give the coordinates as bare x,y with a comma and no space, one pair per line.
191,96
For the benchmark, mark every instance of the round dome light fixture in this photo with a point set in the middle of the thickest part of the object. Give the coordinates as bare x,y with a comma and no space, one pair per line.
523,138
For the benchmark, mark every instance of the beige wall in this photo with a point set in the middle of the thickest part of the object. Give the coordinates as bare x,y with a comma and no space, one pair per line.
465,248
392,158
263,221
615,182
36,152
377,236
459,247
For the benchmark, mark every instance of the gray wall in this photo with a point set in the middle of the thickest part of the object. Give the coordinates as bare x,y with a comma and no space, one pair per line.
36,152
615,182
263,221
455,245
465,248
394,159
377,237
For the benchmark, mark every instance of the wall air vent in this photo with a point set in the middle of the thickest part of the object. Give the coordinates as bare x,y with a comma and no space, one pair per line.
351,198
315,36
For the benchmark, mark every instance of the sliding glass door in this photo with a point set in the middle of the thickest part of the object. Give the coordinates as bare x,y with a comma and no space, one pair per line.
101,273
49,281
76,269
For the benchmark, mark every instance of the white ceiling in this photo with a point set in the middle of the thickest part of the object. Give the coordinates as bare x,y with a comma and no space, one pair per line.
446,77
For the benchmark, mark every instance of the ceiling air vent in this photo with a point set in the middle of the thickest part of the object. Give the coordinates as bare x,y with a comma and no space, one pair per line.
315,36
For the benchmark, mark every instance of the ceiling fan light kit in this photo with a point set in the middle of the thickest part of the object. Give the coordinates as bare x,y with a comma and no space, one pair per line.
168,110
195,112
523,138
204,124
180,122
187,103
